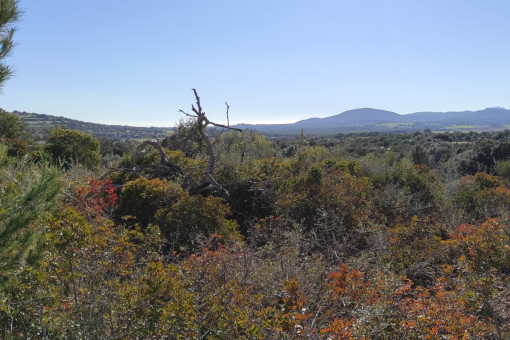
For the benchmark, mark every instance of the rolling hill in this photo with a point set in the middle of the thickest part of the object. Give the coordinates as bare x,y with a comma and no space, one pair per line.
357,120
366,120
40,125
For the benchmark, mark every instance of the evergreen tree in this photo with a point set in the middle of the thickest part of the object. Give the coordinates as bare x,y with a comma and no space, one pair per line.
8,15
27,191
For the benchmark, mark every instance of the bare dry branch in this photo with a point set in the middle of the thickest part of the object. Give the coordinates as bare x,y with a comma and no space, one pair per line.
187,114
198,102
225,126
201,122
228,120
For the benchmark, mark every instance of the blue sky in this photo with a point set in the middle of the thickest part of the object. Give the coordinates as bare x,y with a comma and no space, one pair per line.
135,62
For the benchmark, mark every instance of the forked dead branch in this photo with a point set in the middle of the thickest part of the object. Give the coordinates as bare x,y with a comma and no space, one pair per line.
167,169
202,122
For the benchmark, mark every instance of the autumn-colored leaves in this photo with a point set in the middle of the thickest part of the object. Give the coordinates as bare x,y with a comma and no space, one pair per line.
330,249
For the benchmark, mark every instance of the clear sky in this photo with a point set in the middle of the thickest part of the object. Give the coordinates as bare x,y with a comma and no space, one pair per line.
135,62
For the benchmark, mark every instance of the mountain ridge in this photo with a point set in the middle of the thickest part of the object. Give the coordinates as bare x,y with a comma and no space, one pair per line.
355,120
369,119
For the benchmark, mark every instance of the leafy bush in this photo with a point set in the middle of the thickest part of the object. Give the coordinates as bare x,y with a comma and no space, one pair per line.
68,147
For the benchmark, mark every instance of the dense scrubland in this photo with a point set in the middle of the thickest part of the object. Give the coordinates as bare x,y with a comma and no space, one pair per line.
361,236
219,234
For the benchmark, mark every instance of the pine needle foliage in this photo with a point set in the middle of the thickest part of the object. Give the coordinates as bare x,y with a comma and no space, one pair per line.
8,15
27,192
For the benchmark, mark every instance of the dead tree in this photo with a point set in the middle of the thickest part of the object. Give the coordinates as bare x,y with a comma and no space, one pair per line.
167,169
202,122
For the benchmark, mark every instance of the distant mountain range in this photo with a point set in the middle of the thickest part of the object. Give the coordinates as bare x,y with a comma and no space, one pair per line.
366,120
358,120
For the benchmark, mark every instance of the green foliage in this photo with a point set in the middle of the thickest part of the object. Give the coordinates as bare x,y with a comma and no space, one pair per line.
11,132
310,155
99,281
404,189
419,156
146,161
10,126
187,139
339,239
238,152
68,147
142,198
8,15
194,168
39,124
503,169
27,191
240,147
112,151
330,203
192,217
182,218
